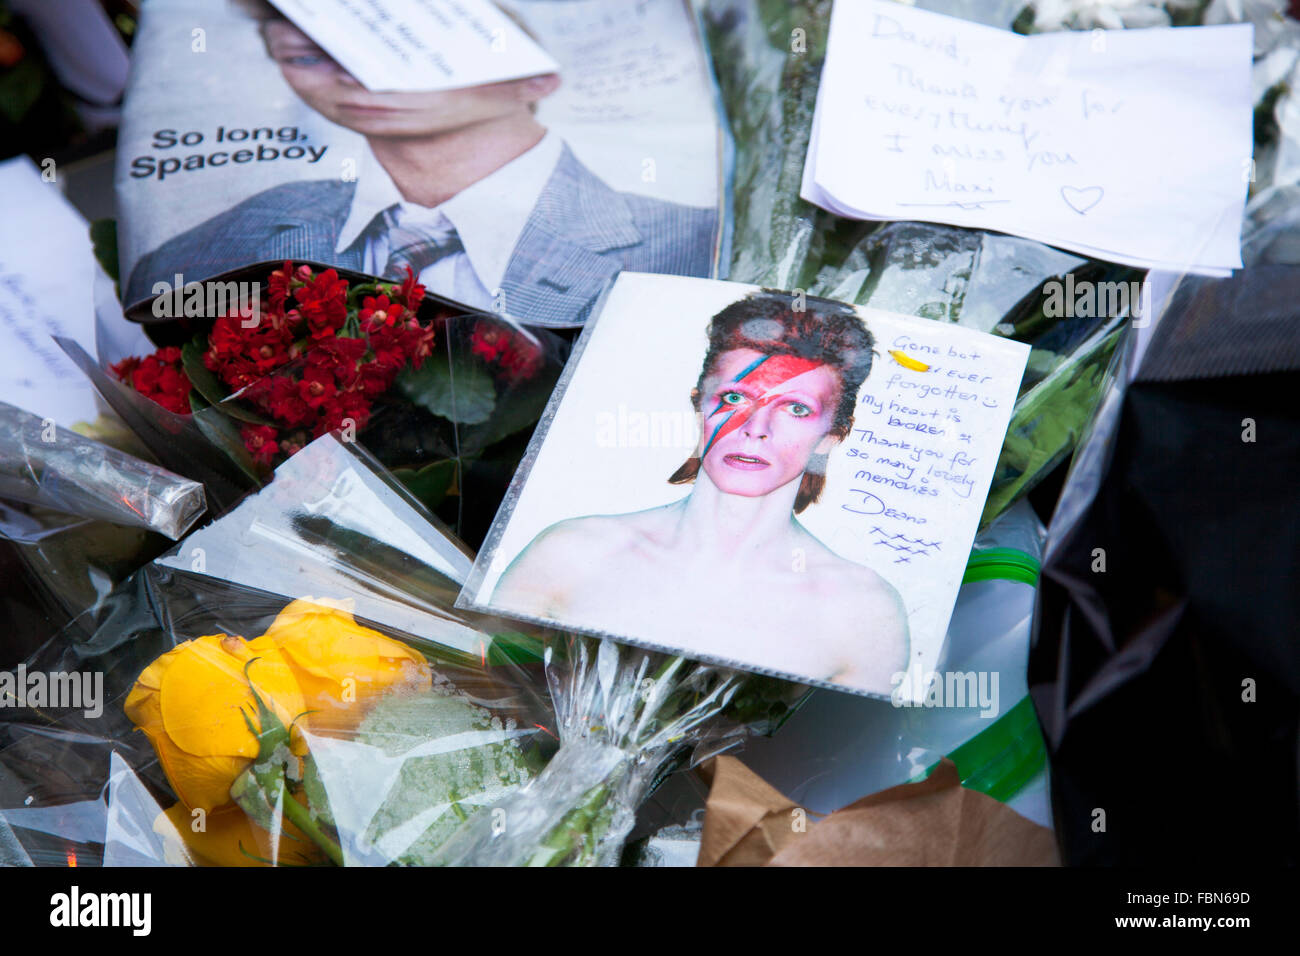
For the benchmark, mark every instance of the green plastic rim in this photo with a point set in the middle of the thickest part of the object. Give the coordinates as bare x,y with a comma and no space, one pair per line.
1006,755
999,761
1006,564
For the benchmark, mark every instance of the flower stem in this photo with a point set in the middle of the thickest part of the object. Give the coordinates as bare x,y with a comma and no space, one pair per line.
301,817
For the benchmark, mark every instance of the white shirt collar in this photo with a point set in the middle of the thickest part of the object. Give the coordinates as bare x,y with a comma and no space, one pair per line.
489,215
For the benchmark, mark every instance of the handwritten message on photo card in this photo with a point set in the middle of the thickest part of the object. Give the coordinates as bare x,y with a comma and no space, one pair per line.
782,484
1128,145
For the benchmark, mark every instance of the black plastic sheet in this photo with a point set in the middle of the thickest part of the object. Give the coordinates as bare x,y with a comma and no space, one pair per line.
1165,666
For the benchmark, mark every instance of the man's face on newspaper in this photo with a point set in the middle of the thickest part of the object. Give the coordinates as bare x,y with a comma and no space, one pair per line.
331,91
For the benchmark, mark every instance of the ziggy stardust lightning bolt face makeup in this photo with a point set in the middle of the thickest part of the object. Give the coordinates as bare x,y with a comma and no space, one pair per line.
765,416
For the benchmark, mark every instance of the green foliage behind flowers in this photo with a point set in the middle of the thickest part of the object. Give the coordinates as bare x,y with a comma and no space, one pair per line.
455,761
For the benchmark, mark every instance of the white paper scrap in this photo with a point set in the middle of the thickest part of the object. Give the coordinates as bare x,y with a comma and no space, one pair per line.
420,45
1128,145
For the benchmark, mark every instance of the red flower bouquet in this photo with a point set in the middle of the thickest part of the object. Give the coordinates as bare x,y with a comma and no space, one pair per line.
159,377
320,354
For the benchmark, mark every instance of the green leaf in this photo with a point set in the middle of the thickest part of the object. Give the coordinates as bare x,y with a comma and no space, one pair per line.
204,382
464,780
103,237
518,409
260,789
517,647
221,432
209,386
314,787
430,483
460,389
20,88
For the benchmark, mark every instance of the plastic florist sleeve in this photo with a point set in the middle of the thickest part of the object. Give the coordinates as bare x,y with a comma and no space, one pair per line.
76,516
289,685
52,468
626,718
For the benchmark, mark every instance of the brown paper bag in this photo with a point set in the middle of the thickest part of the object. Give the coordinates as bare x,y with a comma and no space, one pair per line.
936,822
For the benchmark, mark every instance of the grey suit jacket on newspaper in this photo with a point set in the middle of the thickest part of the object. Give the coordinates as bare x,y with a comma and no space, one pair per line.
580,235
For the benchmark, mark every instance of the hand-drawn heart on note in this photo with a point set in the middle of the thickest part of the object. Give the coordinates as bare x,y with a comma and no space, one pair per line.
1081,200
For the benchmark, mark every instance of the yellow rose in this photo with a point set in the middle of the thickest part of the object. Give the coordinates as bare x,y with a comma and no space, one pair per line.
315,664
341,666
191,703
219,842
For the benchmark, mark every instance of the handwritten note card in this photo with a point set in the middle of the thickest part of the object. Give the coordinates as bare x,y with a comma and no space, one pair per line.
414,45
1128,145
47,289
849,590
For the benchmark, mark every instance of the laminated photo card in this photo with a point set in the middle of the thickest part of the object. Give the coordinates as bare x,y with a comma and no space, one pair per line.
761,479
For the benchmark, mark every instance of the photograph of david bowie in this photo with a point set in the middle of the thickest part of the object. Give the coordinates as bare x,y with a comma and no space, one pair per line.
728,571
484,203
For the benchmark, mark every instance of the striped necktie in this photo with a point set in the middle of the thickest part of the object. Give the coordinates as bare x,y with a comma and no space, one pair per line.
417,248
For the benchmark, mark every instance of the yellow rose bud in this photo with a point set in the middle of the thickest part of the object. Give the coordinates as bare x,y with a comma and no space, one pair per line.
341,666
220,836
191,703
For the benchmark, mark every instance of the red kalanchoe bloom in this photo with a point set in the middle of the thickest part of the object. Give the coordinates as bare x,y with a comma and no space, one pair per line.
278,286
346,408
489,340
280,320
239,373
378,312
240,352
522,357
173,384
410,291
323,303
268,347
317,387
389,348
285,403
158,377
417,340
261,442
294,443
374,379
123,369
293,321
225,341
340,350
521,360
340,356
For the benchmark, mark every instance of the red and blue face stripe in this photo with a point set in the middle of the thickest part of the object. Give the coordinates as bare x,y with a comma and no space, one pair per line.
771,374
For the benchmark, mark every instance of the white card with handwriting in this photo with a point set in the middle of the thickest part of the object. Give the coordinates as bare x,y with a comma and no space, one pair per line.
762,479
1128,145
47,289
420,45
